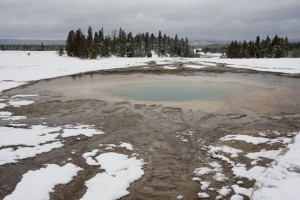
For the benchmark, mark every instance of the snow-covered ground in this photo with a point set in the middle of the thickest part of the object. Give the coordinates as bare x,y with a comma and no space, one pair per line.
276,181
284,65
281,180
17,68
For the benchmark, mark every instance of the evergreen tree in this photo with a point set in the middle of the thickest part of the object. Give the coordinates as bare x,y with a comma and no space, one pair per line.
70,44
90,44
257,47
147,45
186,48
42,47
61,51
175,46
130,47
159,44
244,50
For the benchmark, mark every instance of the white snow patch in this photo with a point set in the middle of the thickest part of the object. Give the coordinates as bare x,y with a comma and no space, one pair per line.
9,155
237,197
282,179
120,171
196,179
5,84
202,171
224,191
18,103
163,62
246,138
284,65
14,118
271,154
18,125
5,114
2,105
204,185
255,140
203,195
88,157
215,165
239,170
24,95
180,197
85,130
220,177
234,152
242,191
35,135
126,145
169,67
36,185
195,66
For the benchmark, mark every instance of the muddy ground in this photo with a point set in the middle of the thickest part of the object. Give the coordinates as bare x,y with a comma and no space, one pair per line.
156,130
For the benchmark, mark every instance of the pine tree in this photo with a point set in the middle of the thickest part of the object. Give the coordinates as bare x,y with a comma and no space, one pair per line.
61,51
70,44
277,51
244,51
186,48
159,44
286,47
90,44
100,45
176,46
130,47
257,47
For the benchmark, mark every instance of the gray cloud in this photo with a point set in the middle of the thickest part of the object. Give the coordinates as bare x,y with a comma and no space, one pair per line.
196,19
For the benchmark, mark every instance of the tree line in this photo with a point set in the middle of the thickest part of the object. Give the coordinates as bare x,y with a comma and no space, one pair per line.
276,48
31,47
124,44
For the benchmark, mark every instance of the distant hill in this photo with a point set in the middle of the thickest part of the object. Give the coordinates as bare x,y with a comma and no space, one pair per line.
31,42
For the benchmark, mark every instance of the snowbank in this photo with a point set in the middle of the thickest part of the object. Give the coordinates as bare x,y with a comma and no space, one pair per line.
33,187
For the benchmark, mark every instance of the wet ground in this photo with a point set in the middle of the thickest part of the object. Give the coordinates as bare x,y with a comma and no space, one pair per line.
166,134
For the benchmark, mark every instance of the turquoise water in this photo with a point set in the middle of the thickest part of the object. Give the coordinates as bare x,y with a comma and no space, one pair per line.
178,91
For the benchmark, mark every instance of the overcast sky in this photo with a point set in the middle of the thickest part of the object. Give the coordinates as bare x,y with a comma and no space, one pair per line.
195,19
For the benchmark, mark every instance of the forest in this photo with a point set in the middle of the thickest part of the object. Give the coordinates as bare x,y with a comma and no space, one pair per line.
31,47
123,44
276,48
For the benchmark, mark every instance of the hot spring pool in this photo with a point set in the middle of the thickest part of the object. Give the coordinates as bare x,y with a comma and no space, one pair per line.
177,90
